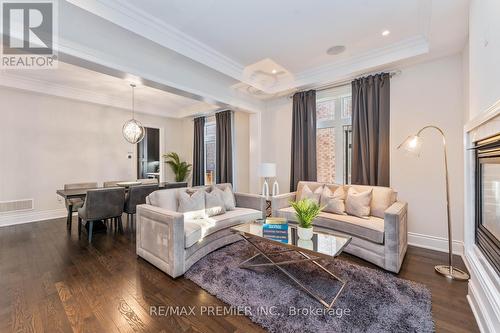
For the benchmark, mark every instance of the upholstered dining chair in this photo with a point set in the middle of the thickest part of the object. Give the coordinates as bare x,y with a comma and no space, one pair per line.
136,196
73,204
101,204
148,181
112,183
175,185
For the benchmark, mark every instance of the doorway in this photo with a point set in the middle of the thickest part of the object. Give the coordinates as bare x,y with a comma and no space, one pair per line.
148,154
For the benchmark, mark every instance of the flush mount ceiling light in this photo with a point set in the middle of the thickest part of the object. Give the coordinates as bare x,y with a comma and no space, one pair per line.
385,33
274,71
334,50
133,131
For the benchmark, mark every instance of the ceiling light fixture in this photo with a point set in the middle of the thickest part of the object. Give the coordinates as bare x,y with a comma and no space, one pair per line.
385,33
274,71
132,130
334,50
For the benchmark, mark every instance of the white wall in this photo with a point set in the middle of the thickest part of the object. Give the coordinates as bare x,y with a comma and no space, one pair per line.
277,139
48,141
241,151
426,93
484,55
429,93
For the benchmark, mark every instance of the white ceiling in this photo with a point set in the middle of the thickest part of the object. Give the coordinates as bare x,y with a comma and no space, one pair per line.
293,35
79,83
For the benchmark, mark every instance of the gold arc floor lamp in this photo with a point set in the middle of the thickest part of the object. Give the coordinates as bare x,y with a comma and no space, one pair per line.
412,145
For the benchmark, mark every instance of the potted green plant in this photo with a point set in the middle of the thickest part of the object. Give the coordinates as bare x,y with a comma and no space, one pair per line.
180,168
306,211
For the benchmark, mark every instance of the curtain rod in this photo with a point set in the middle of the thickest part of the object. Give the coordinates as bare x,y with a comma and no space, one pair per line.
210,114
346,82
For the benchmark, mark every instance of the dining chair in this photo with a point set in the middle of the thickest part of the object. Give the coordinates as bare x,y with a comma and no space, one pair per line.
73,204
148,181
174,185
136,196
101,204
113,183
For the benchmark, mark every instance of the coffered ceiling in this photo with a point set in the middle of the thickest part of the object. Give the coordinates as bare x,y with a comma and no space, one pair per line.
247,40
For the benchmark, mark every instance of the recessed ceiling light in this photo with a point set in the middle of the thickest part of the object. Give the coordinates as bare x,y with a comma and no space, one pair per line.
334,50
385,33
274,71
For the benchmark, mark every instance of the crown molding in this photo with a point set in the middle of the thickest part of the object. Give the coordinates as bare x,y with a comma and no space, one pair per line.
137,21
84,95
344,69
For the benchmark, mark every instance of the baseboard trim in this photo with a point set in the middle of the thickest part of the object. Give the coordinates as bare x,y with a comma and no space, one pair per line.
32,216
484,293
435,243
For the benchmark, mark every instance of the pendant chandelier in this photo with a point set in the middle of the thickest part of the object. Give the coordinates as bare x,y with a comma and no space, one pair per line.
133,131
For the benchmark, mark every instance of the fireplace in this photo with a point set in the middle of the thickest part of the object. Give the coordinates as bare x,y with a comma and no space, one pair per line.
488,199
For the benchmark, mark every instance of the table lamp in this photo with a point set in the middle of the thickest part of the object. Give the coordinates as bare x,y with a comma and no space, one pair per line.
268,170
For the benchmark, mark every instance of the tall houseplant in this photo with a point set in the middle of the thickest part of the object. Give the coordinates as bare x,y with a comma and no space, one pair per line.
180,169
306,211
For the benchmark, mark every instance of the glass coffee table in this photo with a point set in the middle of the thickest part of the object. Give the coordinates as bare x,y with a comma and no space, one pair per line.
323,245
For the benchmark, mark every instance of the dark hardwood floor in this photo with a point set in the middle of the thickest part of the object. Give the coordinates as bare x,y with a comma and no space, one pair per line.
52,282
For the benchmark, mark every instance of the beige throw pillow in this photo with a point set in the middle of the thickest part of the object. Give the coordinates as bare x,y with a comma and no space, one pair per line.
228,198
358,203
214,204
192,204
333,202
306,193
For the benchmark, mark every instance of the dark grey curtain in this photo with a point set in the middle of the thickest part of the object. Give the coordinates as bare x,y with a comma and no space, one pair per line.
224,147
370,130
199,152
303,164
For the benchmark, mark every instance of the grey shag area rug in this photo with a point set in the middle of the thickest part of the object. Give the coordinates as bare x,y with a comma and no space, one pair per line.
372,301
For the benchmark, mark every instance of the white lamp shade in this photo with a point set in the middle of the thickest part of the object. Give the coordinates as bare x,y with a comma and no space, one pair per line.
268,170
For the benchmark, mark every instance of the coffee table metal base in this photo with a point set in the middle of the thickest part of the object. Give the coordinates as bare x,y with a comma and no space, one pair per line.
279,264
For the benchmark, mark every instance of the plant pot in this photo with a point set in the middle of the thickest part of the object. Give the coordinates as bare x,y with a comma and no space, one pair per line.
305,233
305,244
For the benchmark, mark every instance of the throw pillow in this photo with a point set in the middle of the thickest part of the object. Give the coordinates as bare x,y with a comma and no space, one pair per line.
306,193
358,203
228,198
192,205
333,202
214,204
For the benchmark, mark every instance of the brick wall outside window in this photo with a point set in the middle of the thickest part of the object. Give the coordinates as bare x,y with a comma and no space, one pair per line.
325,154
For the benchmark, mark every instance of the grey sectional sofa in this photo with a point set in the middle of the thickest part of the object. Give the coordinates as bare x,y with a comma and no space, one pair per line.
173,244
380,239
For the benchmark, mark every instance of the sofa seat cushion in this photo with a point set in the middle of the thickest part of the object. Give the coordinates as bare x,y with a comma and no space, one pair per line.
192,233
371,229
213,224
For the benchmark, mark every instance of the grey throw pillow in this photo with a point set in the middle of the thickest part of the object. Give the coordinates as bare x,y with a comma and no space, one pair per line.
358,203
306,193
214,203
333,202
192,204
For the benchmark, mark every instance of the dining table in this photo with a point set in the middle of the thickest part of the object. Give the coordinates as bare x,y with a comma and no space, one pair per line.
81,193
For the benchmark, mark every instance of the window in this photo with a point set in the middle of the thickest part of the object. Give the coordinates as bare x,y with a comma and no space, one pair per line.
334,135
210,151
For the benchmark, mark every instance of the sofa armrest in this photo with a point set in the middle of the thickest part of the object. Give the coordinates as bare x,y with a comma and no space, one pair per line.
395,235
281,201
253,201
160,238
